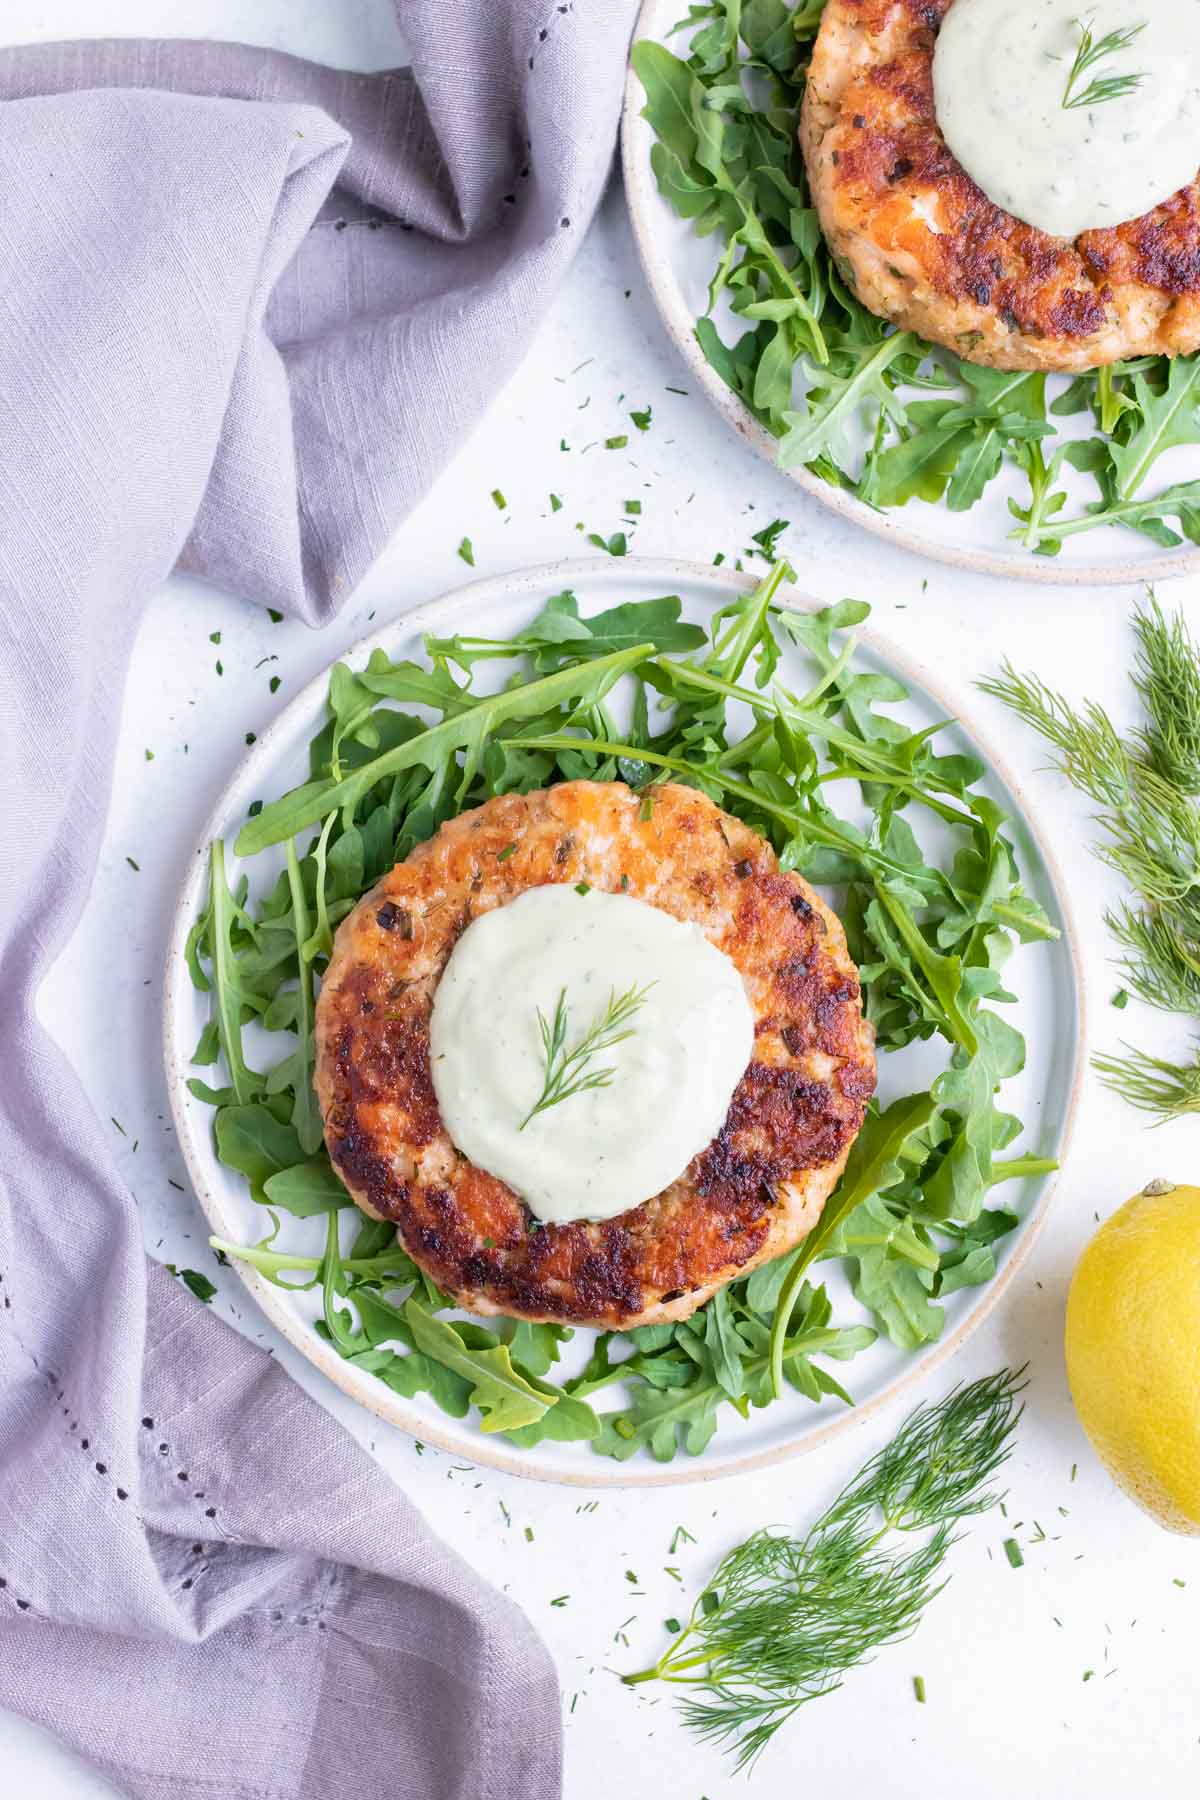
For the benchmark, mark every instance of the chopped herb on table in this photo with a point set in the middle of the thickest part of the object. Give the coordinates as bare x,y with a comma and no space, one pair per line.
640,694
865,407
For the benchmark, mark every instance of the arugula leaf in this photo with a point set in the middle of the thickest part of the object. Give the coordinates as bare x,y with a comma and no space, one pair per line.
506,1400
304,1189
253,1140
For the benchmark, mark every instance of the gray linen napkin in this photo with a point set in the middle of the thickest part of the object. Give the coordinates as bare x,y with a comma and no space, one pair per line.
212,355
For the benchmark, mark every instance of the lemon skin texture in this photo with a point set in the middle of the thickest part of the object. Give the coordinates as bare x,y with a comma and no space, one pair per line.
1133,1350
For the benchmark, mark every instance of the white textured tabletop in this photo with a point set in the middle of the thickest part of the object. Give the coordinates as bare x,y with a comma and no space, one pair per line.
1075,1674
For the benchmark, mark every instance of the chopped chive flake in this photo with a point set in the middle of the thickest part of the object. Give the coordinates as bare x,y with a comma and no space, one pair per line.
1013,1552
1177,1582
615,443
498,500
919,1689
768,537
631,1577
276,618
529,1534
508,850
561,1600
563,444
615,545
680,1533
709,1602
555,503
200,1285
466,552
673,1626
633,507
507,1514
642,419
214,637
583,887
220,667
274,684
646,809
149,755
134,866
1088,1673
1120,1000
624,883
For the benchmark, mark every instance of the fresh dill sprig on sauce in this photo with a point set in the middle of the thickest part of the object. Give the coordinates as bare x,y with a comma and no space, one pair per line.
784,1619
1147,786
1090,52
567,1071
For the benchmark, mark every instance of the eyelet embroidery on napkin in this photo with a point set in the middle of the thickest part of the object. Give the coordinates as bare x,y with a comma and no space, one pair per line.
546,29
59,1393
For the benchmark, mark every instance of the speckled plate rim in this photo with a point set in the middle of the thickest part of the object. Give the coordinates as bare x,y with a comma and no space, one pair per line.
662,575
645,211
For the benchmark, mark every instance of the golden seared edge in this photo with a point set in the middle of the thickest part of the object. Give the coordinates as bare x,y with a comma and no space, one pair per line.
754,1192
922,245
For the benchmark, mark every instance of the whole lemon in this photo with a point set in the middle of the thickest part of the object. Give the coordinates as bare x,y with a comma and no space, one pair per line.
1133,1350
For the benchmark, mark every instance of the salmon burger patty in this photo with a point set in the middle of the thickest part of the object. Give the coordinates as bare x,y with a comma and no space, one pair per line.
922,245
757,1189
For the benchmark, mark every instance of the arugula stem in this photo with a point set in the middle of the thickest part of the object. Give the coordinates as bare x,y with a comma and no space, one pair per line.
1013,916
953,815
430,749
911,1249
306,1115
1017,1168
228,1003
803,824
271,1262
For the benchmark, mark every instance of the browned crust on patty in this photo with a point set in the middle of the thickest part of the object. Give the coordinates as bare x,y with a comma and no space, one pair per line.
754,1191
922,245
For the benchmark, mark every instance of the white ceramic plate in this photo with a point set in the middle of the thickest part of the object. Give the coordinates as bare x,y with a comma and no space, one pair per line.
678,266
1047,981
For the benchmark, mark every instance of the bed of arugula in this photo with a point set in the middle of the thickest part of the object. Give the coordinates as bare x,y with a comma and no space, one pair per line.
637,693
883,414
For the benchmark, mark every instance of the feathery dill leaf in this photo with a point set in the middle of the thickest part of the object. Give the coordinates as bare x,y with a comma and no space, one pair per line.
1162,966
1148,791
1167,677
1093,50
784,1619
567,1071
